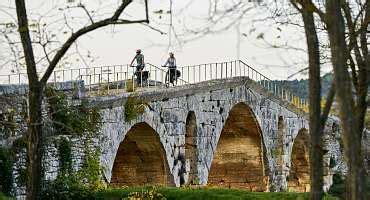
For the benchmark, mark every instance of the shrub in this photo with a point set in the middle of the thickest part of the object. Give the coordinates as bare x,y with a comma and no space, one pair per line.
147,194
130,86
133,108
69,119
338,187
74,185
65,188
6,176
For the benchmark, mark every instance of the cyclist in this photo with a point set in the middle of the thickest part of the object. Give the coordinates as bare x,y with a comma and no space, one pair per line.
140,64
171,64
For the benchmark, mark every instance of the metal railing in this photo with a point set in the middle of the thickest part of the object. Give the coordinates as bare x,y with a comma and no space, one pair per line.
122,78
204,72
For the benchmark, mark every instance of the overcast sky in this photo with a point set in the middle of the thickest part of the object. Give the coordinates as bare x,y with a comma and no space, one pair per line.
117,45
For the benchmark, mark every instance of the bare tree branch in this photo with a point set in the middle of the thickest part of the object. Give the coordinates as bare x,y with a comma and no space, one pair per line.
109,21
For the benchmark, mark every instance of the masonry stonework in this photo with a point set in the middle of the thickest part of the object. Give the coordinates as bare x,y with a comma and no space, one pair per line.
239,136
211,104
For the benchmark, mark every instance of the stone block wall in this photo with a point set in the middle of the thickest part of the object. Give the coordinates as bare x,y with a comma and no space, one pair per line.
266,138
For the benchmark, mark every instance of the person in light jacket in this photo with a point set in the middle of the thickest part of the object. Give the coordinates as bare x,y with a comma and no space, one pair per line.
172,71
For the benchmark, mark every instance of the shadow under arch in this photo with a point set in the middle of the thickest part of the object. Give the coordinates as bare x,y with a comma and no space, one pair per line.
299,176
191,155
141,159
239,160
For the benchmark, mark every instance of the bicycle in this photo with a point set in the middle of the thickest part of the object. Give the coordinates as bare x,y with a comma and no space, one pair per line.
141,76
171,77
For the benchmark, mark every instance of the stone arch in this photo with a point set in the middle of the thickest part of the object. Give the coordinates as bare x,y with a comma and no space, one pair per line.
191,147
299,176
239,160
141,159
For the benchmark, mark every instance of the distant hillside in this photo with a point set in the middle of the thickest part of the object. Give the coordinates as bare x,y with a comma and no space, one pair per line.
300,87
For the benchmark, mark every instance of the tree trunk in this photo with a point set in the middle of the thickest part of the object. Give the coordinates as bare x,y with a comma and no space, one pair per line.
351,133
34,134
316,152
34,138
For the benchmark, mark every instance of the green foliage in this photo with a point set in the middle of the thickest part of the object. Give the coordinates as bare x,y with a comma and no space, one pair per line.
194,182
7,122
66,188
338,188
90,173
205,193
83,121
75,185
147,194
6,173
65,157
68,119
129,86
22,177
134,107
276,152
7,157
20,143
3,197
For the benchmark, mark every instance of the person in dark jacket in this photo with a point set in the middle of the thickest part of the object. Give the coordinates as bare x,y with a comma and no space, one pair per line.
140,64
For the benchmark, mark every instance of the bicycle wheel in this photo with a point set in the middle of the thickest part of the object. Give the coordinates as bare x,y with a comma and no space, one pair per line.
167,79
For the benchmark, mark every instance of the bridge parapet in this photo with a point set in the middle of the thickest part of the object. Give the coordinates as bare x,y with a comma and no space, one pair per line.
117,79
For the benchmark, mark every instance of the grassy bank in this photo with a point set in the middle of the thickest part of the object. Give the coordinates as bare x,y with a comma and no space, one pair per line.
199,194
3,197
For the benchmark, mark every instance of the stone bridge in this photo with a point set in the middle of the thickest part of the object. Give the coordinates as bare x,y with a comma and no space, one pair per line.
228,133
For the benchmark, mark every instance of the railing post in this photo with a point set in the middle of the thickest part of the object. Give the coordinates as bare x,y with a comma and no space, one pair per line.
149,75
90,84
216,70
114,72
117,82
188,74
199,73
205,72
108,74
275,93
194,74
226,69
240,70
231,74
241,64
248,72
182,72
